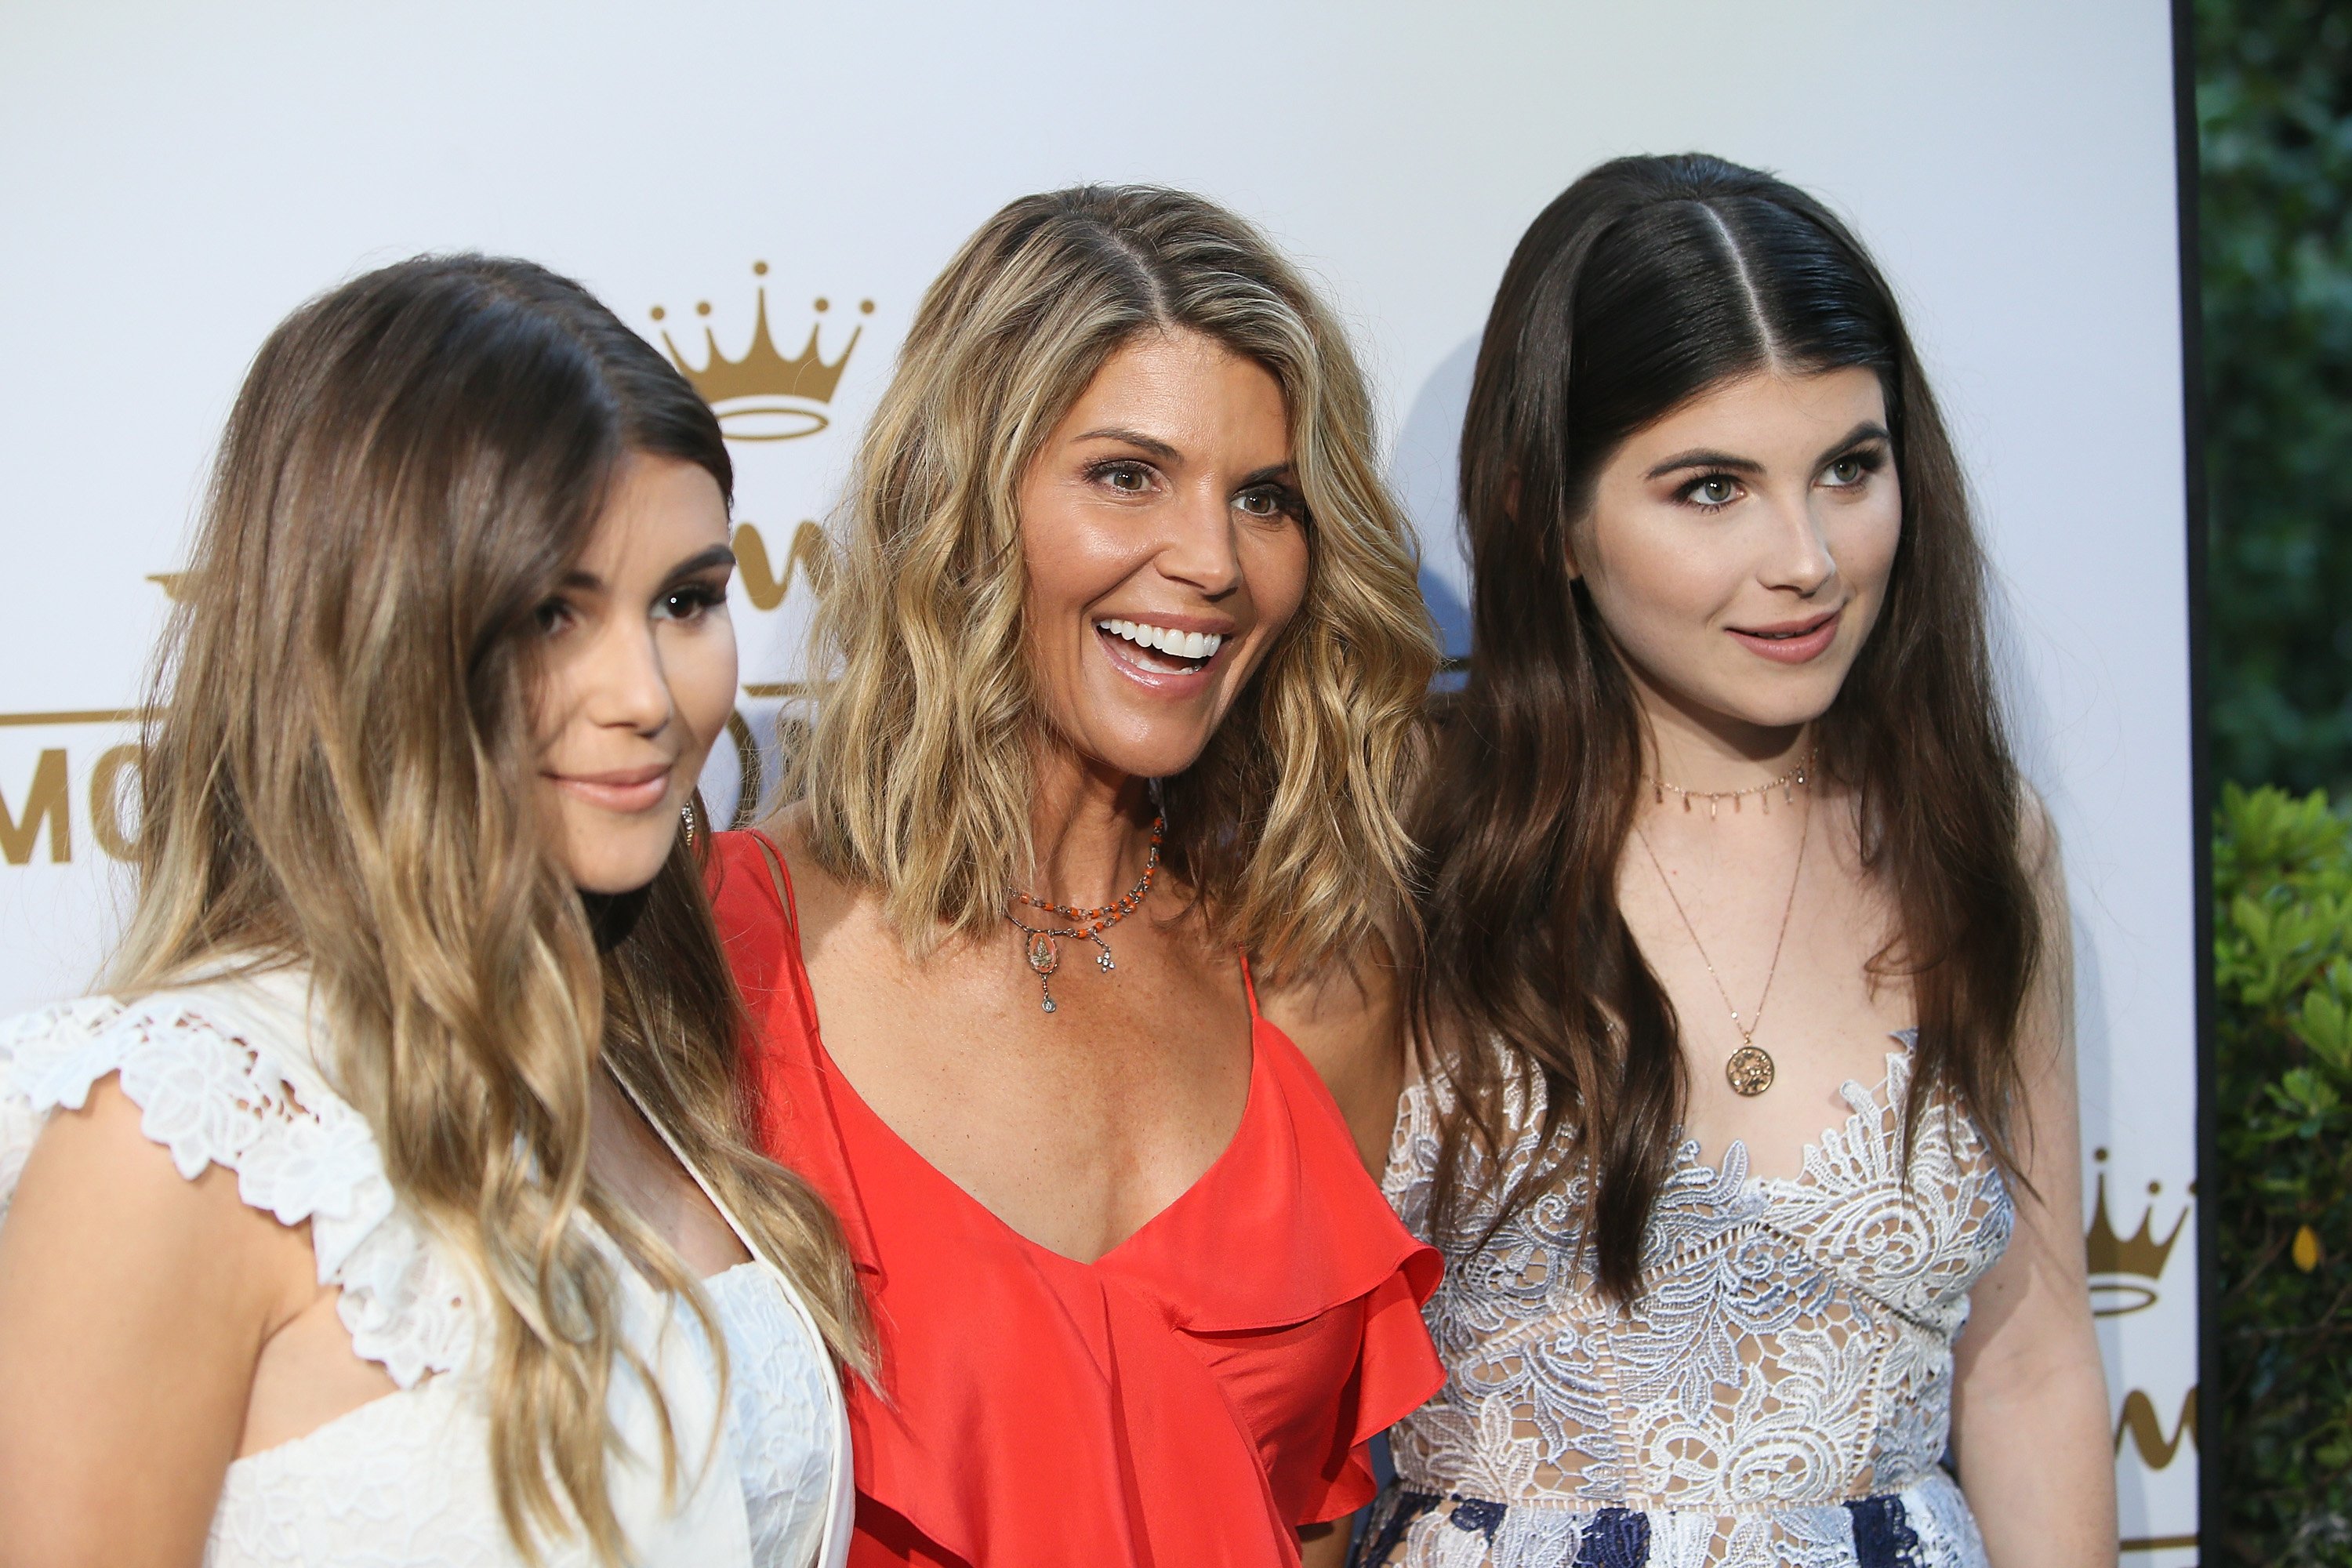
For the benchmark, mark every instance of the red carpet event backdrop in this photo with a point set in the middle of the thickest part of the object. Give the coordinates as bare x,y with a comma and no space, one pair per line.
764,191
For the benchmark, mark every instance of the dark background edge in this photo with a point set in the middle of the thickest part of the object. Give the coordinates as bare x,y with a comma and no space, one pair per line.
2200,773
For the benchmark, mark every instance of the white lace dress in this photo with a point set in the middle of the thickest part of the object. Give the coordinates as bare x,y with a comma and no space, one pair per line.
222,1074
1779,1394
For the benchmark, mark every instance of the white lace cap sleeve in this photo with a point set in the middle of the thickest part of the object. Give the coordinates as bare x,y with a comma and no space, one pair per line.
223,1075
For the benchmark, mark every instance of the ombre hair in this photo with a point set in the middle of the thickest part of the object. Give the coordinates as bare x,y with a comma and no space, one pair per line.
920,769
1648,282
340,774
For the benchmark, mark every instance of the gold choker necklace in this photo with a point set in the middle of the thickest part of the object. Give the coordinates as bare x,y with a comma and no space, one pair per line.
1788,784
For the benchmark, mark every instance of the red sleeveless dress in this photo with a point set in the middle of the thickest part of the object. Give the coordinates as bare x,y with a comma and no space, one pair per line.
1185,1401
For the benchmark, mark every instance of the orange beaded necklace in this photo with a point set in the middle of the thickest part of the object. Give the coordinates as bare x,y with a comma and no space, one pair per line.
1044,946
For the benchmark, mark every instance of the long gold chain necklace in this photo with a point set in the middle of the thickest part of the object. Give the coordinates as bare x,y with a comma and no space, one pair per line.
1750,1069
1788,784
1045,942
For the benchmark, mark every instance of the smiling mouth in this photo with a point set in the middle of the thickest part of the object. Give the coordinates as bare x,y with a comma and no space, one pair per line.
628,791
1160,650
1796,644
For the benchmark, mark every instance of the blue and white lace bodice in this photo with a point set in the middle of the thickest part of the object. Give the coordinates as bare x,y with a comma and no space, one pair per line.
1786,1371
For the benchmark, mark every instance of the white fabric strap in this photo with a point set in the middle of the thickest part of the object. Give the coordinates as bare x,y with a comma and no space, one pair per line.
841,1500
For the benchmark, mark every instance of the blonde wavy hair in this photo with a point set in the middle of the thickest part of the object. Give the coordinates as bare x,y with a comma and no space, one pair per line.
340,774
919,767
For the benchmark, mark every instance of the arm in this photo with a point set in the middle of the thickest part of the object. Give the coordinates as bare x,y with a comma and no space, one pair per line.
1323,1545
133,1307
2029,1397
1348,1020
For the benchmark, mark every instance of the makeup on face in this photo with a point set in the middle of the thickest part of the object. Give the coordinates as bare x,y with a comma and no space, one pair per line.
637,673
1166,549
1738,549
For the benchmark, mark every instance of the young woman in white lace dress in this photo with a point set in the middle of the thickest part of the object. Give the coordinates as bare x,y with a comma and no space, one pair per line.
390,1208
1747,1078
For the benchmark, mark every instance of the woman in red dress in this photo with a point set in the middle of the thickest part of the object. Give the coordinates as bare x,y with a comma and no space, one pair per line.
1127,656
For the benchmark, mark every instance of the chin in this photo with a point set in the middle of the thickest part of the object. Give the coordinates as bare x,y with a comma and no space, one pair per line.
1782,715
1146,745
1156,760
618,869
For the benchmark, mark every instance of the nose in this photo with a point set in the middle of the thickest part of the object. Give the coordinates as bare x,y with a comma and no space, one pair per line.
1800,559
1198,549
627,685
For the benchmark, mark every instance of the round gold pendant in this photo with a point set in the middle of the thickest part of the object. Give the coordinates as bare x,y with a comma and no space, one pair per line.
1044,956
1749,1070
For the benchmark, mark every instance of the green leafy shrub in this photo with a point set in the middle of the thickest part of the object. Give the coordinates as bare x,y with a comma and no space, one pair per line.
2283,1200
2275,136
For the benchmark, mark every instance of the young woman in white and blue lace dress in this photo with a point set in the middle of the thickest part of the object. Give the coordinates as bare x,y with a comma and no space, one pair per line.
1746,1114
389,1208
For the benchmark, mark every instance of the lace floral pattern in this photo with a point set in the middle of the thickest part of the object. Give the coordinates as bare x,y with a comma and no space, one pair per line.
776,1400
222,1075
1790,1356
220,1093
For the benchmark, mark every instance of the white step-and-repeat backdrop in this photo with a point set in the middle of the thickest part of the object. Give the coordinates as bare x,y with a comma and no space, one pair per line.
765,189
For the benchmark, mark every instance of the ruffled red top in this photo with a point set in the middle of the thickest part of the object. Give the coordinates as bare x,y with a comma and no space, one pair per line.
1185,1401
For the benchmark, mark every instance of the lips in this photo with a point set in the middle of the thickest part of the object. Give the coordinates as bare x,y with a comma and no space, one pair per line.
1172,655
1790,642
626,790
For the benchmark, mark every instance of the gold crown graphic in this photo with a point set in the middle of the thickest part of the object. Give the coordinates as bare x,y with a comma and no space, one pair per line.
2126,1268
761,396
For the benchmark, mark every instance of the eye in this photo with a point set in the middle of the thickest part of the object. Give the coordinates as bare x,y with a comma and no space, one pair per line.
1847,471
690,603
554,618
1712,493
1124,475
1269,503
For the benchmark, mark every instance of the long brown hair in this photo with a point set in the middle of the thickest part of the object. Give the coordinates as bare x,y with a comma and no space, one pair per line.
1648,281
340,774
920,769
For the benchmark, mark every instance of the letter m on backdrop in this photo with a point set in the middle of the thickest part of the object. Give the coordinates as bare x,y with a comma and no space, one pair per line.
45,802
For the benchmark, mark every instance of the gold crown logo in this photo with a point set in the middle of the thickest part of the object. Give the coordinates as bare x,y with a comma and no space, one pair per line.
763,395
2125,1268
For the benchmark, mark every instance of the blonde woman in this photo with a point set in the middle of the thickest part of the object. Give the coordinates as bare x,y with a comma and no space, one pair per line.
390,1208
1129,650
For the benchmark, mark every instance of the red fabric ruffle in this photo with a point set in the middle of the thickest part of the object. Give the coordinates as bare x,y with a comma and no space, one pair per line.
1186,1400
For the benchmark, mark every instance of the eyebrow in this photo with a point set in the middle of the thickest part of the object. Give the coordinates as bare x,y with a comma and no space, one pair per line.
1150,444
1285,470
717,555
1868,430
1705,458
1709,458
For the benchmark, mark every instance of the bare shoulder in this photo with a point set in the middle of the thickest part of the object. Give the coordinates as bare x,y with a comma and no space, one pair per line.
2044,863
2046,1035
96,1188
2038,849
821,900
1346,1018
135,1304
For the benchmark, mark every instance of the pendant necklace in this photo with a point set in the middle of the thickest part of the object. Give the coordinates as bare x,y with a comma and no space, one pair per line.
1045,942
1749,1070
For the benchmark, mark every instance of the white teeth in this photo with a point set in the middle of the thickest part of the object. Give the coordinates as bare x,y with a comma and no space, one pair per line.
1174,643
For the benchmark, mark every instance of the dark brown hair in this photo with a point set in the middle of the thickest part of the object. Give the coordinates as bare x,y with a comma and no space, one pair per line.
1647,282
